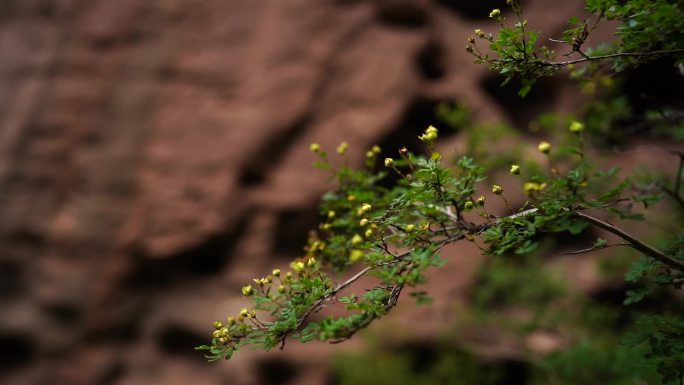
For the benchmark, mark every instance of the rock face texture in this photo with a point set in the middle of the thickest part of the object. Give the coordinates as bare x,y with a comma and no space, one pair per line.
154,156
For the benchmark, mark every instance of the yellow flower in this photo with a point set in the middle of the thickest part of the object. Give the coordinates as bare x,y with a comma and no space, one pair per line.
276,272
298,266
363,222
468,205
247,290
576,127
544,147
356,239
315,147
481,200
231,321
355,256
531,187
495,12
331,214
366,207
311,262
342,148
376,149
281,289
370,154
515,169
389,162
244,312
218,325
430,134
480,33
496,189
410,227
368,233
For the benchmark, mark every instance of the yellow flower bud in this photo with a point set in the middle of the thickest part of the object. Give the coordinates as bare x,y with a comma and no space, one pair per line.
515,169
281,289
247,290
410,227
342,148
468,205
544,147
356,239
218,325
231,321
376,149
366,207
370,154
479,33
576,127
496,189
298,266
351,198
252,314
495,12
276,272
355,256
315,147
363,222
311,262
216,333
244,312
368,233
481,200
389,162
331,214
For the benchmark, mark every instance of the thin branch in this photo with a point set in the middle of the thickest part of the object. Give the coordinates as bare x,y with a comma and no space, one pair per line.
612,55
635,243
594,248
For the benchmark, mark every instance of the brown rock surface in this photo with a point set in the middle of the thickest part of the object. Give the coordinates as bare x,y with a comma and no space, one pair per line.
154,155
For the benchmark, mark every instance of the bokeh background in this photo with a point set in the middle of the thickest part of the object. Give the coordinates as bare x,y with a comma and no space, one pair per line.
154,158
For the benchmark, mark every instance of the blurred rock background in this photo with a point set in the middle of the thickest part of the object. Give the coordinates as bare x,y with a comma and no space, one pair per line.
154,158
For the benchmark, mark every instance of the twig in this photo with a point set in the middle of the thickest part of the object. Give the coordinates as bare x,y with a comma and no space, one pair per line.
635,243
612,55
594,248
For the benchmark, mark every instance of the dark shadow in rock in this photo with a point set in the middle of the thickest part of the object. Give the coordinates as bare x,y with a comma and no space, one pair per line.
18,349
271,152
656,84
177,339
521,111
430,61
12,282
65,314
292,231
474,9
401,13
204,260
276,371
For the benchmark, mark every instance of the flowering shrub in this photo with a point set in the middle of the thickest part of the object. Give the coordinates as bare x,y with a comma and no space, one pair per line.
393,232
